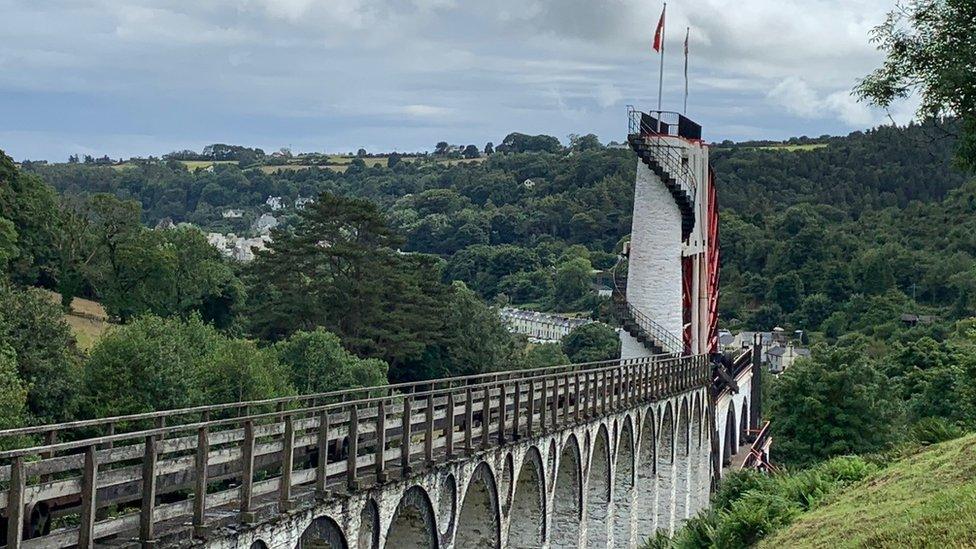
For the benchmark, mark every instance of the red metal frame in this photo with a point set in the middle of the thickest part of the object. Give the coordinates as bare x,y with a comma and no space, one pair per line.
713,263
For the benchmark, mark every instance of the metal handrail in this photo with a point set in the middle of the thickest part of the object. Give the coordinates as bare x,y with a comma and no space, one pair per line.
667,155
668,341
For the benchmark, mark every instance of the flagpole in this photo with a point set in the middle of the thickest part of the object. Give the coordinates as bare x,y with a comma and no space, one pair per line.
660,81
687,34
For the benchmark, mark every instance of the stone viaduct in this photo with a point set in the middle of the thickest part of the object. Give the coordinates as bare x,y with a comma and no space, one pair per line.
586,455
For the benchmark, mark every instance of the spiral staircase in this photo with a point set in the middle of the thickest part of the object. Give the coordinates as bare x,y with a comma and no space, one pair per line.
647,137
654,337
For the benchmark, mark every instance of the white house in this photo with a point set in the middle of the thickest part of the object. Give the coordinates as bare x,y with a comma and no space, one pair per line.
782,357
264,224
274,202
540,327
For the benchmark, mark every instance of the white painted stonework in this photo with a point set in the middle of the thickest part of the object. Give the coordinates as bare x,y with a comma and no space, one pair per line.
630,347
654,271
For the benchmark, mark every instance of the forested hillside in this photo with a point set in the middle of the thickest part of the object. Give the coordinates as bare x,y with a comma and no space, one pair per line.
817,237
838,237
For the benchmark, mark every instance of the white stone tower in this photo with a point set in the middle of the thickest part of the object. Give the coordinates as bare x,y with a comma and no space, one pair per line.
667,300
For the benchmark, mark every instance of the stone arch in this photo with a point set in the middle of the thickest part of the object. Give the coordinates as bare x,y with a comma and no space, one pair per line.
730,442
447,503
567,502
709,436
744,422
623,485
647,477
506,484
696,419
527,520
598,490
322,533
666,470
551,461
259,544
682,462
697,455
414,523
369,526
479,522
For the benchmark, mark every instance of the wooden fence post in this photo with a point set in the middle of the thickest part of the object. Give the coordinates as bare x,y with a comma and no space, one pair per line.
15,504
429,431
89,503
468,419
285,502
321,469
502,403
555,402
247,473
200,482
352,479
148,509
486,416
449,426
405,436
516,411
544,405
578,408
381,442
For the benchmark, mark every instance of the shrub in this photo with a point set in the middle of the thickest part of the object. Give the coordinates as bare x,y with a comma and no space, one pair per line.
752,518
932,430
750,505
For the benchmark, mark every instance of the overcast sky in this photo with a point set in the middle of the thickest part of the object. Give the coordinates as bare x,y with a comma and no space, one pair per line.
137,77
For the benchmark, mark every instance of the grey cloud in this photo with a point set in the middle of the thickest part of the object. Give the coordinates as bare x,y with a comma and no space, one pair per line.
407,73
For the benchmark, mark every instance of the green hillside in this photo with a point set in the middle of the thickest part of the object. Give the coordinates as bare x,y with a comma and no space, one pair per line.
926,500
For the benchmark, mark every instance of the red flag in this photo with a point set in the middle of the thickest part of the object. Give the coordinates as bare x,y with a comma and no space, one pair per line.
659,33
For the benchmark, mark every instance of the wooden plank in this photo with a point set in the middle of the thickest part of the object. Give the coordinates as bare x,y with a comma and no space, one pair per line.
287,464
89,481
352,480
200,464
322,442
15,509
381,442
468,418
449,428
247,473
406,421
429,431
148,493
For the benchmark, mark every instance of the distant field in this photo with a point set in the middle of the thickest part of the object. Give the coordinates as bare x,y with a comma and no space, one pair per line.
194,164
88,320
342,163
793,148
338,163
295,167
87,332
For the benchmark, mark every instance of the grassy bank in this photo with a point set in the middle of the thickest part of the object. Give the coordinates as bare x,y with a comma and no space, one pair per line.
926,500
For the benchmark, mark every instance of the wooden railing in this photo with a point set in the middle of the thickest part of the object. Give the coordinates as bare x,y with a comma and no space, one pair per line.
232,469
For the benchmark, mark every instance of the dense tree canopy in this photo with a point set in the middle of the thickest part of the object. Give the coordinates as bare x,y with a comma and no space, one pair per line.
318,363
837,403
591,343
34,335
929,51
